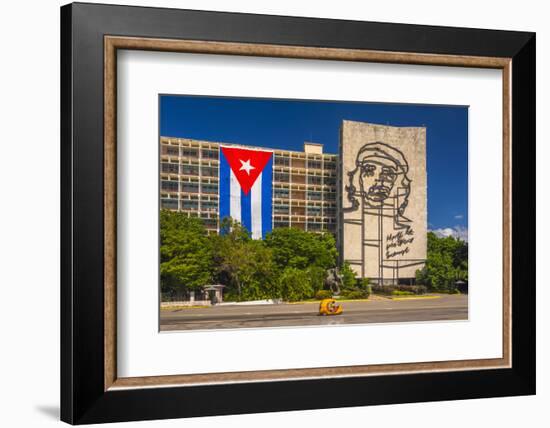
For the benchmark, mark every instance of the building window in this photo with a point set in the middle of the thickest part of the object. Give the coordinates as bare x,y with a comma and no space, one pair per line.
282,161
314,164
169,186
209,206
170,150
330,212
314,196
313,179
209,188
169,204
280,209
209,171
314,226
314,211
281,224
190,169
330,165
209,154
282,193
170,168
330,196
330,181
189,205
189,187
282,177
187,152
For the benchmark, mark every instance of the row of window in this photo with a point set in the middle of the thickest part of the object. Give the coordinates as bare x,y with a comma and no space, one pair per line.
311,211
189,205
188,152
188,187
310,196
310,226
174,168
284,177
311,164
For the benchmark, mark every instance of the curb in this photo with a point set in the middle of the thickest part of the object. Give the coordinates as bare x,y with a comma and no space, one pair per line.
415,298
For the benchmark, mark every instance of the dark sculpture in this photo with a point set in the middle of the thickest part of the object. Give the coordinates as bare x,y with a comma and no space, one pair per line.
333,281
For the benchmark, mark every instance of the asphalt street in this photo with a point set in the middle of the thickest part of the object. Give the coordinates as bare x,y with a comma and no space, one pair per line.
442,307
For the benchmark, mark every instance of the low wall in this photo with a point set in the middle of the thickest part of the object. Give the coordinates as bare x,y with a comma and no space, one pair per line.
186,303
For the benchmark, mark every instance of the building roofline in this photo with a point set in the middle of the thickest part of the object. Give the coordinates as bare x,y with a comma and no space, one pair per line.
253,147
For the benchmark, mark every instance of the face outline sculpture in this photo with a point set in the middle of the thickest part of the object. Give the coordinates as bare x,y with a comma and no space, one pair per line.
376,179
380,175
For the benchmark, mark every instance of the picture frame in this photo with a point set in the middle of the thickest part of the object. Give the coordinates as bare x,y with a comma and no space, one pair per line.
91,391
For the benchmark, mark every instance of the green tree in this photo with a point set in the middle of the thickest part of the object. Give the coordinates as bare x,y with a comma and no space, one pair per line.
447,262
299,249
295,284
246,266
229,249
348,276
257,273
317,276
185,253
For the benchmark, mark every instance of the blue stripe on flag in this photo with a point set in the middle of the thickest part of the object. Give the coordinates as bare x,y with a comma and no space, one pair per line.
267,193
225,187
246,210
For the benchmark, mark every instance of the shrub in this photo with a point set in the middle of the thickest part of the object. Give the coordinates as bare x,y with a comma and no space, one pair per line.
389,289
354,294
421,289
452,290
366,287
323,294
402,293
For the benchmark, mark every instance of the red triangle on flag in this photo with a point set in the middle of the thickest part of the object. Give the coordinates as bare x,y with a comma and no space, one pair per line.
246,164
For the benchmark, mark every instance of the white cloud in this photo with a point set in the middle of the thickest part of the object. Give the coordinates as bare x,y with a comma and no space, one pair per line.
460,232
459,216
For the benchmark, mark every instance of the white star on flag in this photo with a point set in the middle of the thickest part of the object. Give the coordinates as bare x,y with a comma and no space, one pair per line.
246,166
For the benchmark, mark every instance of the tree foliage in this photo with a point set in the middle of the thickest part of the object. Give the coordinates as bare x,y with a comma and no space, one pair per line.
446,263
300,249
348,276
295,284
185,252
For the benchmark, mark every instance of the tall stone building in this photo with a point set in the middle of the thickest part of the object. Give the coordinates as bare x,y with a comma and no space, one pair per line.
382,203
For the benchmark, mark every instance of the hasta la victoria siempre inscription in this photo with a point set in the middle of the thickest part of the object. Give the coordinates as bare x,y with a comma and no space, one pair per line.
383,200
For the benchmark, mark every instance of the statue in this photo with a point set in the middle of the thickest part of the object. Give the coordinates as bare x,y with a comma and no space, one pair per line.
333,281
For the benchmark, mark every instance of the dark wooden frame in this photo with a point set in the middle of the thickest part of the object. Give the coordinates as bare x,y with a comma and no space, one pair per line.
90,35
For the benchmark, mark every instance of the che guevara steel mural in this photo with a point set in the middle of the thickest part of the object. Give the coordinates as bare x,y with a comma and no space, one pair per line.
378,191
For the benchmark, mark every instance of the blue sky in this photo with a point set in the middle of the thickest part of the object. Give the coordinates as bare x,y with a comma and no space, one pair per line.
287,124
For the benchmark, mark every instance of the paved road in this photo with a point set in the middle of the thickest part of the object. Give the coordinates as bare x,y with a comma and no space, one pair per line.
445,307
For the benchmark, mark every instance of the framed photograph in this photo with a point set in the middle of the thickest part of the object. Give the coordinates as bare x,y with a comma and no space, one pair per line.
260,209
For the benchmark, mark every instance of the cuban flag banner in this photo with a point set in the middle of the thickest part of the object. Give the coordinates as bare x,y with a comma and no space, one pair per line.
246,188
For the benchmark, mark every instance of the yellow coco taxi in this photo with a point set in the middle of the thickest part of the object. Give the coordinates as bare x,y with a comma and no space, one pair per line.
329,307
